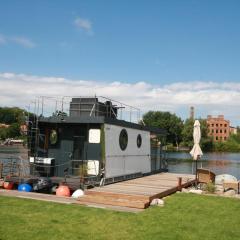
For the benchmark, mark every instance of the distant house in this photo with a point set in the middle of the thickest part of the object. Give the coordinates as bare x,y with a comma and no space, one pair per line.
233,130
23,129
219,128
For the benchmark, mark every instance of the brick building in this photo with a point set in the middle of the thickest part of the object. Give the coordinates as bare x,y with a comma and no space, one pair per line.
218,128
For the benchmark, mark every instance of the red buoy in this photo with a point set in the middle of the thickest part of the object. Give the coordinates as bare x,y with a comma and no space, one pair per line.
63,191
8,185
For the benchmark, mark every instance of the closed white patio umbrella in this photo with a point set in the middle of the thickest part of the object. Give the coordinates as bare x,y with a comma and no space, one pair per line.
196,151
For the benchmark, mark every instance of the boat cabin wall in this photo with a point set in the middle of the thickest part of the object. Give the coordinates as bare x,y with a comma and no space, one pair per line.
71,145
127,151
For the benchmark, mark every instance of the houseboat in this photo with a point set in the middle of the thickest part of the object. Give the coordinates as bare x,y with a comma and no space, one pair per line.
92,143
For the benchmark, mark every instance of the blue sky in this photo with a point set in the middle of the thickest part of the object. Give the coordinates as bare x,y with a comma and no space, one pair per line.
160,42
130,41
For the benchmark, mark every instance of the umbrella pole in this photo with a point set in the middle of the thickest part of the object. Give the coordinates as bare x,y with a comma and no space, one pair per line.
196,178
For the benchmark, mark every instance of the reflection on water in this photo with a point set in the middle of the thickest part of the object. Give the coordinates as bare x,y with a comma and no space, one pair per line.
14,159
219,163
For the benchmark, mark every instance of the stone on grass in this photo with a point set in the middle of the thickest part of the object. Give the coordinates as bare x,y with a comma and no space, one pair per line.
157,202
219,189
230,193
196,191
220,179
185,190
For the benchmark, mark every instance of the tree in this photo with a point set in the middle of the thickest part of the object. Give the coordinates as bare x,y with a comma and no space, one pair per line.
12,115
187,134
167,121
13,130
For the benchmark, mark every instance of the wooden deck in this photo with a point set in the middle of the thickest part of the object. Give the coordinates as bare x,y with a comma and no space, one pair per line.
139,192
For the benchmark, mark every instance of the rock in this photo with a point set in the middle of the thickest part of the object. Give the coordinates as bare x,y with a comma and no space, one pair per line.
196,191
157,202
220,179
185,190
219,189
230,193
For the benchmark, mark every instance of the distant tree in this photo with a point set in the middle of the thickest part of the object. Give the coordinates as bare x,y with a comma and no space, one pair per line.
236,137
13,131
12,115
3,133
168,121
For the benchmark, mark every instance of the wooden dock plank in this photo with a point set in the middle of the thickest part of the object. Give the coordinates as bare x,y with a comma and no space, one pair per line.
138,192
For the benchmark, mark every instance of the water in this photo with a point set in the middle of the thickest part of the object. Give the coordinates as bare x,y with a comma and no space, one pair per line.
178,162
219,163
11,157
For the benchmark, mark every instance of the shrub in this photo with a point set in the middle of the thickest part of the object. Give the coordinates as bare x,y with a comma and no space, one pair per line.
210,187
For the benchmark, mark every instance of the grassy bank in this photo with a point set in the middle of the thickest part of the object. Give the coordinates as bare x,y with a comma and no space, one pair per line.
184,216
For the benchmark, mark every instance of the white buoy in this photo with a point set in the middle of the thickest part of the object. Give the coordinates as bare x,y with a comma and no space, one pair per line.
78,193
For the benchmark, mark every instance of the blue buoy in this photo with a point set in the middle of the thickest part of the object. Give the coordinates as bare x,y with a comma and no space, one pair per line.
24,187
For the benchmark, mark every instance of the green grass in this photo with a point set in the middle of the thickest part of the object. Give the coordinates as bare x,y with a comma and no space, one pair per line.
184,216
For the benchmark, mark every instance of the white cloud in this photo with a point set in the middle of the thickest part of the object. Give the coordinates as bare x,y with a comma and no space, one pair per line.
207,97
25,42
22,41
83,24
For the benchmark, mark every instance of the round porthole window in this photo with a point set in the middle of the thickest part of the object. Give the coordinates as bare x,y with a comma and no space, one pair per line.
53,137
139,140
123,139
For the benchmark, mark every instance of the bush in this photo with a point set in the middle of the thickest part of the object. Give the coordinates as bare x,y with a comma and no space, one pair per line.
210,188
228,146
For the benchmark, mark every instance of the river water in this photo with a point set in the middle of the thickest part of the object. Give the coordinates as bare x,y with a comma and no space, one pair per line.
219,163
12,157
178,162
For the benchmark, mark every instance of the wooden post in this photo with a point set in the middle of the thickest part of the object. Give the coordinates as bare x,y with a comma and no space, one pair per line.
1,170
179,184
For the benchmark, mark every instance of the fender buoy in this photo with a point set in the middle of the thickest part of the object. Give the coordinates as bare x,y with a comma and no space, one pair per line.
24,187
63,191
78,193
8,185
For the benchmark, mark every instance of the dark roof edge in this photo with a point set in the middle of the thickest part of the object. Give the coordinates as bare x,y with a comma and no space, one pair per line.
123,123
101,120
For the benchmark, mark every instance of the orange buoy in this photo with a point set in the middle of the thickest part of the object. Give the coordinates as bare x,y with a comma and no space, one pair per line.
8,185
63,191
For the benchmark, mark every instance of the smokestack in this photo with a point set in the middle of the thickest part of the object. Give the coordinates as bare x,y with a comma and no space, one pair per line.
191,112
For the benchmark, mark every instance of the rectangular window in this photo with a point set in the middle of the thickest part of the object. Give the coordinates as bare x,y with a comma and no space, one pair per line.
94,136
220,130
225,131
220,125
212,125
216,138
216,131
217,125
225,125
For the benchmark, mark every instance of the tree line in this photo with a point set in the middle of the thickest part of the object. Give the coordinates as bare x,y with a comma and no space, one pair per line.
14,117
180,132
